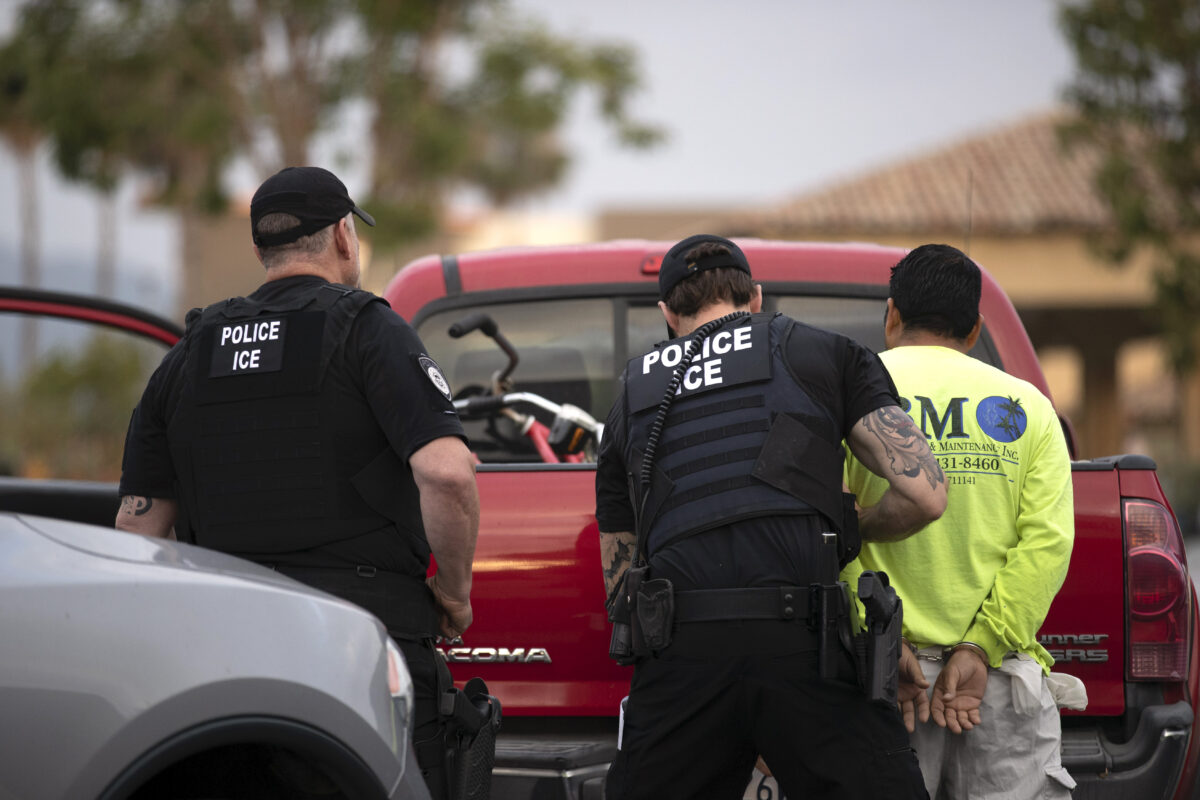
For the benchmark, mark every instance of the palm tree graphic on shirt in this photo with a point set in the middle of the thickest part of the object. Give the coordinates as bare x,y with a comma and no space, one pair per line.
1012,420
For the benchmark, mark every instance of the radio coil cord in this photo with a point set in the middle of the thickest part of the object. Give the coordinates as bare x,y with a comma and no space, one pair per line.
660,418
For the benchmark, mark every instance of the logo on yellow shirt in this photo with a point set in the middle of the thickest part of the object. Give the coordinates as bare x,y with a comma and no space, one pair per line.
1001,418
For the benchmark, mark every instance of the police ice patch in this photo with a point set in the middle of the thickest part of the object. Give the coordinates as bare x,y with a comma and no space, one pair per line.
248,347
435,375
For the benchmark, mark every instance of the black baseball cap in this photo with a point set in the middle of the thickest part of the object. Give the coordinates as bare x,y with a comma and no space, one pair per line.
312,194
675,267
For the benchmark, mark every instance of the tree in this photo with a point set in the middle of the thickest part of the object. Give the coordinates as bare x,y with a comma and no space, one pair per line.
69,415
1137,93
25,62
108,101
20,132
456,93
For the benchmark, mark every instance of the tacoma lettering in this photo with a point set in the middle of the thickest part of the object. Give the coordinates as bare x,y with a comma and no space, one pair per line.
495,655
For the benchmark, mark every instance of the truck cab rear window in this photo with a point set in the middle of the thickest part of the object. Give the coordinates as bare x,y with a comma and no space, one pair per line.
571,350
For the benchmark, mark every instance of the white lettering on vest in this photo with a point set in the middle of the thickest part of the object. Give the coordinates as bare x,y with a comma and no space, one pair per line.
720,342
648,361
245,359
741,339
697,375
712,372
249,332
705,370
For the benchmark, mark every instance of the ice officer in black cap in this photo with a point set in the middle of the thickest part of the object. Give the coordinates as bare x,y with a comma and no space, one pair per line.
723,529
305,427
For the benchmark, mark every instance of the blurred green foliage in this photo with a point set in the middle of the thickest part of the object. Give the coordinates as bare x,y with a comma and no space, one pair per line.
453,94
1137,93
67,417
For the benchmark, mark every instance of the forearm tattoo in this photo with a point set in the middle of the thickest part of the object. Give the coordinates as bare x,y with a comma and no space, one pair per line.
904,444
616,554
135,506
620,559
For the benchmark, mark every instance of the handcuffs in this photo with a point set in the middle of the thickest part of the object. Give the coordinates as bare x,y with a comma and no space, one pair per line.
946,652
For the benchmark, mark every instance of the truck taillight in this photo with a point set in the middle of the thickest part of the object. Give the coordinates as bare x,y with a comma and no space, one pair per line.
1157,587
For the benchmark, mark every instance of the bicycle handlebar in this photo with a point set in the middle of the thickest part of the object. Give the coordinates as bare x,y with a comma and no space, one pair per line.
483,322
477,321
490,403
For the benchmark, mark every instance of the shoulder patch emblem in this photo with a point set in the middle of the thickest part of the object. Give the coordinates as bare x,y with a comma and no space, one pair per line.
435,375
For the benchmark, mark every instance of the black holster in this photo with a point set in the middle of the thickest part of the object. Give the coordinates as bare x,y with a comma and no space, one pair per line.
472,718
877,648
831,618
620,614
831,609
642,611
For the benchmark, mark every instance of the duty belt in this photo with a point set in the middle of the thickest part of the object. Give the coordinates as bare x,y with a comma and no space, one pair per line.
728,605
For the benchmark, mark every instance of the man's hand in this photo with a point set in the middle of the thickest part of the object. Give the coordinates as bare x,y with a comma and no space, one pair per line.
958,691
454,613
913,701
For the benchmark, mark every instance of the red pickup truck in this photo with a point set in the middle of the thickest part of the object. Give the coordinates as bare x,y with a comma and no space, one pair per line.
533,340
1124,622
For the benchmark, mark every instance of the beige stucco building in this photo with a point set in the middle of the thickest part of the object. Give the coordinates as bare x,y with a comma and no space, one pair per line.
1023,207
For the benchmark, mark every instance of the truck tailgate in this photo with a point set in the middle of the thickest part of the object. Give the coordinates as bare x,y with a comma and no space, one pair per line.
1085,629
541,639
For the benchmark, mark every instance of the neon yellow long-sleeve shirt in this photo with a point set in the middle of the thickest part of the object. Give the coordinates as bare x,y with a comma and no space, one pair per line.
987,571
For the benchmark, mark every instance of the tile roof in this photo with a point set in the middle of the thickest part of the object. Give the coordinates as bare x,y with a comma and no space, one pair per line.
1015,179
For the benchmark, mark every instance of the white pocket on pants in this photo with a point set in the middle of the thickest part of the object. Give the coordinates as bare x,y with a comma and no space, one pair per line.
1067,691
1026,683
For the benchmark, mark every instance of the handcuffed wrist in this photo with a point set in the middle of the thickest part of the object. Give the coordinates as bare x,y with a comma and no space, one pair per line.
972,646
911,647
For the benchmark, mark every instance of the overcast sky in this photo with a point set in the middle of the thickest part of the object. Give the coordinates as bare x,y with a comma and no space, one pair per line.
761,100
764,99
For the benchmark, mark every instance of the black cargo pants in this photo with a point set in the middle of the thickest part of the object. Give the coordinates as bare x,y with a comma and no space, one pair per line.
724,693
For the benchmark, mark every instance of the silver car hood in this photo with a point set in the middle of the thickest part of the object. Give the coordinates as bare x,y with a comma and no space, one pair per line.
134,549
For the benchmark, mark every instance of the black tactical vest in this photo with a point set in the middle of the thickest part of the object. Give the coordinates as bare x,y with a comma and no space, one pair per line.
271,454
743,439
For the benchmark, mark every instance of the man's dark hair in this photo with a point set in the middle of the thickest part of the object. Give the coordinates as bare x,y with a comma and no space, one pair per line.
936,288
710,286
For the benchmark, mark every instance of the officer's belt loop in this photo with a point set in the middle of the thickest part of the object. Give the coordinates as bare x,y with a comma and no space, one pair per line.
727,605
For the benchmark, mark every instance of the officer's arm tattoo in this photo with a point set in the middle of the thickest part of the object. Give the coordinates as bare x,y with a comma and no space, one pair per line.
148,516
132,505
616,554
904,444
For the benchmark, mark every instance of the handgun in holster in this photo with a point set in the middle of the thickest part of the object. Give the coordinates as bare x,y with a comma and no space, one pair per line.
877,648
620,614
642,611
472,718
